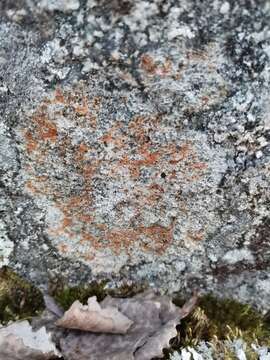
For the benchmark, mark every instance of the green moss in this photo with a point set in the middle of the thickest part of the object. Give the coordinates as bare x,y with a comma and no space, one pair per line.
127,290
213,320
217,320
18,298
65,295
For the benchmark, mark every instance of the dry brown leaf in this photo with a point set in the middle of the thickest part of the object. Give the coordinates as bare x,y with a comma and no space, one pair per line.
92,317
154,324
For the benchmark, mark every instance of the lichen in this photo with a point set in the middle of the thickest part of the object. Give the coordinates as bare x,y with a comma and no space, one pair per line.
6,246
18,298
123,220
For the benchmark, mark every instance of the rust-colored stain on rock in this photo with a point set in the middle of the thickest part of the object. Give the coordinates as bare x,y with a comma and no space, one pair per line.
152,67
105,185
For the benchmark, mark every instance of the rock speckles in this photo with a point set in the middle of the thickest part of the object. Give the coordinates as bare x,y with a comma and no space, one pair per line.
135,142
60,5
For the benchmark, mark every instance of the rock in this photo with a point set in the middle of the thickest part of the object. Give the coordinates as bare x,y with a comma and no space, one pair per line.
60,5
134,138
19,341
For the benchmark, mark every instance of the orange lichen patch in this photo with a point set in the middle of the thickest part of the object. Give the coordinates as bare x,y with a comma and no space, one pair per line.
80,152
180,153
171,154
122,169
83,148
159,238
87,238
195,236
45,129
89,170
63,248
205,99
31,143
199,166
59,97
31,187
82,109
79,103
49,133
113,137
75,203
134,166
156,187
85,218
119,239
39,185
150,66
66,222
154,197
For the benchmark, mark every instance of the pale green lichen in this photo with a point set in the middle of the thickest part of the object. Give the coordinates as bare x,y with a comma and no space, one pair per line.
6,246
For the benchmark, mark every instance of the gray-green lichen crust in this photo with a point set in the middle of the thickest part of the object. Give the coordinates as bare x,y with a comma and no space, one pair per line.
134,143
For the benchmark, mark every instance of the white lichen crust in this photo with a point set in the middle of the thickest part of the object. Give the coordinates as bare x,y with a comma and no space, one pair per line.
134,143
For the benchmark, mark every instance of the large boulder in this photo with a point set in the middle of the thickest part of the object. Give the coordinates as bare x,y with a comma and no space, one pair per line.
134,143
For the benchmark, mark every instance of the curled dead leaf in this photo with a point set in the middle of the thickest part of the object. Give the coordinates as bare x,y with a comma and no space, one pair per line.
154,324
93,317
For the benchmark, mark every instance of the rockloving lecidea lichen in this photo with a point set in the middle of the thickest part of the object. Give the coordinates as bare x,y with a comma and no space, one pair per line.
136,143
129,216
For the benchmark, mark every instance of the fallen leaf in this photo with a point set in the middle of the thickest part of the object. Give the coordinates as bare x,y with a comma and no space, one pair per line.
154,324
95,318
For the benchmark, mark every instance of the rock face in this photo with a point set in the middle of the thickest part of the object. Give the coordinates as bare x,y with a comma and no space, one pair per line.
134,142
19,341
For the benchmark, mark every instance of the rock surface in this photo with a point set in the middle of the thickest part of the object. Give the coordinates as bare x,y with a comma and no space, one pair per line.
19,341
134,143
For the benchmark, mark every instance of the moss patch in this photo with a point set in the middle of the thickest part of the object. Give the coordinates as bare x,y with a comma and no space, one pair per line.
224,319
217,320
213,320
65,295
18,298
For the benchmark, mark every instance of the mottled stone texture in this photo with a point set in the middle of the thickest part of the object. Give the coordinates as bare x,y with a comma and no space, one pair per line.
134,142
